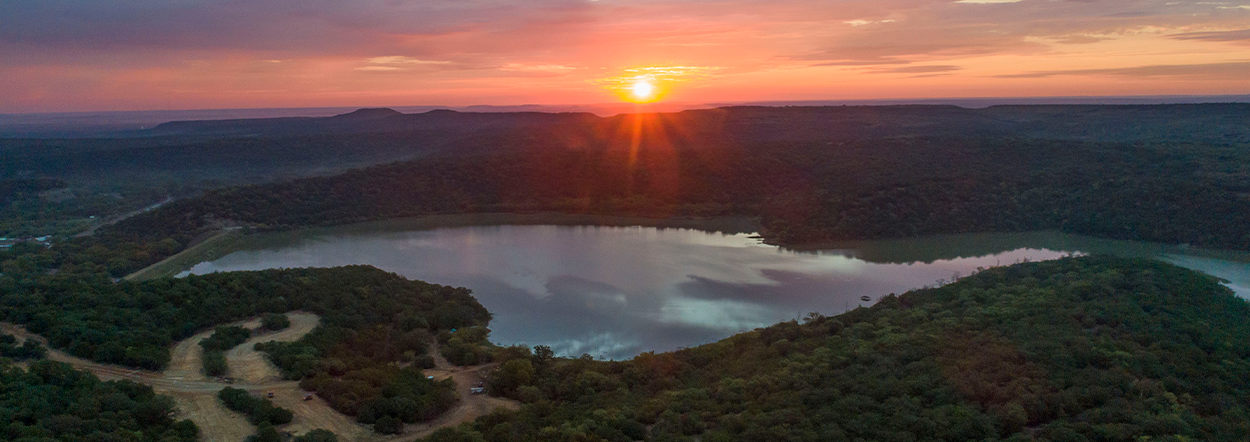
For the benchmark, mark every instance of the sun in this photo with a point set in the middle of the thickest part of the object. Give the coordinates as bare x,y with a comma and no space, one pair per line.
639,86
642,90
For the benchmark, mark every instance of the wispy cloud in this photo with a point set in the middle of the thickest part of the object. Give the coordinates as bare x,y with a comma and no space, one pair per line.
399,59
1240,35
537,67
1236,69
917,69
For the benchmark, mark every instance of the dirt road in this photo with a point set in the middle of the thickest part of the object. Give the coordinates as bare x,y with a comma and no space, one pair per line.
117,218
249,366
196,395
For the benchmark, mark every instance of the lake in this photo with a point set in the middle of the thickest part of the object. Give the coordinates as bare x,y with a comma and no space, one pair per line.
613,292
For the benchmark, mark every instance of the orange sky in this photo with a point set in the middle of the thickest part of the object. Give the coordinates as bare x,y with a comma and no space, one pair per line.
69,55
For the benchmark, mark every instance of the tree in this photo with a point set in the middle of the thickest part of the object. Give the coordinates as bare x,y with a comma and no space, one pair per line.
542,354
265,432
510,376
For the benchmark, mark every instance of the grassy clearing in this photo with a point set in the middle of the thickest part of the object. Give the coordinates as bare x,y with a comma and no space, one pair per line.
212,248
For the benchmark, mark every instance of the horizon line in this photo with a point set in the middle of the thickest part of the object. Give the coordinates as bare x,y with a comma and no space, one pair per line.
1049,100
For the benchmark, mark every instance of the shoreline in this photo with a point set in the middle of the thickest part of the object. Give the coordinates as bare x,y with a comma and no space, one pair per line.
915,249
726,224
213,247
224,242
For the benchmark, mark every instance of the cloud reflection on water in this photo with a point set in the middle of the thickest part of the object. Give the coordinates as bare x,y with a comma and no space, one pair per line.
614,292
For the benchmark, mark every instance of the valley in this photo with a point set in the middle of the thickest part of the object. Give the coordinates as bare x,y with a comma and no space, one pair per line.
1031,273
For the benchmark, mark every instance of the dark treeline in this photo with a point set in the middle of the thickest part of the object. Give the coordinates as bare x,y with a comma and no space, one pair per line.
1079,349
52,401
803,192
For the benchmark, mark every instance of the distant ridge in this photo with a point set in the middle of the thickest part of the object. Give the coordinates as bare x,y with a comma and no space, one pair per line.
370,120
367,114
123,124
1214,122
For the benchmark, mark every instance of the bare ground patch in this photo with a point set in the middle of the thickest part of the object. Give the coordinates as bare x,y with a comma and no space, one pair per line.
252,367
216,422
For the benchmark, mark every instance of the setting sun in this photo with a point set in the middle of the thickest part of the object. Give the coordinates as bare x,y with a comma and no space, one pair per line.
643,91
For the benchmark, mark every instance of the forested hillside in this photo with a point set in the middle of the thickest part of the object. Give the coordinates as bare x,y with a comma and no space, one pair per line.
1205,142
1079,349
803,192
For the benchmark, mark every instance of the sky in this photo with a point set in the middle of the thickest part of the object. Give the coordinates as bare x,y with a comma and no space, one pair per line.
94,55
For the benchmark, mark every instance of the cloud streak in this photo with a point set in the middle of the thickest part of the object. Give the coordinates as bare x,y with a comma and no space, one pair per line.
1231,70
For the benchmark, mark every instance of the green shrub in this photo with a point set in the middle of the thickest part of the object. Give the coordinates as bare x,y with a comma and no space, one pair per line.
225,337
274,321
215,363
258,410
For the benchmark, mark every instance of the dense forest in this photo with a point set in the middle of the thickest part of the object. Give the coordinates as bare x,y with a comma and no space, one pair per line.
52,401
1078,349
1173,174
182,158
1190,194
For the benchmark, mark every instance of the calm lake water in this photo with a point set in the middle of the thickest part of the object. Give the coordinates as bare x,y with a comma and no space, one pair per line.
613,292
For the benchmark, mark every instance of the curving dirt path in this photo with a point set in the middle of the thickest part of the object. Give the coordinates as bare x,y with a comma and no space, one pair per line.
196,395
249,366
216,422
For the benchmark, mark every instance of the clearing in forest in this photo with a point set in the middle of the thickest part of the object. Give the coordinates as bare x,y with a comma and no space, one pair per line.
196,395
